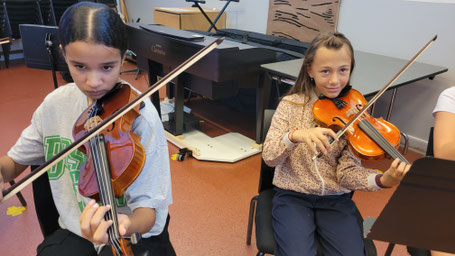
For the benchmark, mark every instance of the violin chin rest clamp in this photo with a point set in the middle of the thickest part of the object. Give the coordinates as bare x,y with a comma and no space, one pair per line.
134,239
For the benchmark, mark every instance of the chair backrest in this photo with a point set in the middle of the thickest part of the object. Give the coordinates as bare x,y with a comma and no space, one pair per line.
46,211
47,10
22,12
5,26
59,7
266,175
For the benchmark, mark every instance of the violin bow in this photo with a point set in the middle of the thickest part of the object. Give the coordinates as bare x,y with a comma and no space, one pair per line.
11,191
379,93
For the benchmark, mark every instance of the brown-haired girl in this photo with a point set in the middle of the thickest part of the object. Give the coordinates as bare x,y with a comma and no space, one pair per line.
313,194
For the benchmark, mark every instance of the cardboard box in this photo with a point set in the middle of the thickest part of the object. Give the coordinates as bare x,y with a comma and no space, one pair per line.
187,18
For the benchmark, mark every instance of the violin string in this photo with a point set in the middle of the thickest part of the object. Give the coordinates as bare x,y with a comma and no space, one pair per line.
98,151
377,137
109,192
383,142
104,181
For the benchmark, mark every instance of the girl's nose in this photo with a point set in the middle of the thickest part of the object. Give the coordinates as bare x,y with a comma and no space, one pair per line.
334,78
94,79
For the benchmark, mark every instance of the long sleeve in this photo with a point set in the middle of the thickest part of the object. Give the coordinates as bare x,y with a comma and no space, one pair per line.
275,151
351,175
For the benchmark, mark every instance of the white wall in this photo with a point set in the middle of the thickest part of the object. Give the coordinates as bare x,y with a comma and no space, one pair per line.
397,28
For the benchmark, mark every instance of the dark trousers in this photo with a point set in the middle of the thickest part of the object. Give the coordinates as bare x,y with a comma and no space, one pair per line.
64,242
298,218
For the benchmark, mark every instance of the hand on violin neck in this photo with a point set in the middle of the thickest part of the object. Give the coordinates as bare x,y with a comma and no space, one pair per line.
94,227
395,173
316,138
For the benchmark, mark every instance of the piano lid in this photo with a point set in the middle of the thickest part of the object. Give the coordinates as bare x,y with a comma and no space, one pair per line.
174,33
166,32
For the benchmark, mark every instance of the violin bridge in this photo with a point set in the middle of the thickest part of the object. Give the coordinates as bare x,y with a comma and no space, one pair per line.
92,122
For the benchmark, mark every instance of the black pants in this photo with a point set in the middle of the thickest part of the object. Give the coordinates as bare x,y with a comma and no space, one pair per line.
64,242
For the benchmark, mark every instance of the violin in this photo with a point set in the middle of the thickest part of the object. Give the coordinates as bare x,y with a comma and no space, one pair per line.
363,129
126,156
371,137
115,157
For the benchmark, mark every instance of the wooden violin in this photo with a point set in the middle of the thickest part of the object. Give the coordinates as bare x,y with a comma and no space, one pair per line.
371,137
115,157
362,124
125,153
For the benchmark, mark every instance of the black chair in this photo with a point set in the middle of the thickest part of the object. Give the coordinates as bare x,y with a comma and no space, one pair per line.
261,208
5,33
46,211
13,13
23,12
48,12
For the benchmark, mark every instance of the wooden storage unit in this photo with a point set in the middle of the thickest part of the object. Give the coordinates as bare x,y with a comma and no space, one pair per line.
187,18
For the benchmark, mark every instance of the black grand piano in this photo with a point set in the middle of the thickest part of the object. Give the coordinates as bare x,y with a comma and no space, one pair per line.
232,65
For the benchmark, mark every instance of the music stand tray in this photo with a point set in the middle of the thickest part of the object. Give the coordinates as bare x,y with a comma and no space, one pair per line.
421,212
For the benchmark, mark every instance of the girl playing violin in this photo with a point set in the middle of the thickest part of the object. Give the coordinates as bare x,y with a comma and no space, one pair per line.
313,194
94,43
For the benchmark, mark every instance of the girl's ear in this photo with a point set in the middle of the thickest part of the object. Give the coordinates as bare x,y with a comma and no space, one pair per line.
63,52
308,70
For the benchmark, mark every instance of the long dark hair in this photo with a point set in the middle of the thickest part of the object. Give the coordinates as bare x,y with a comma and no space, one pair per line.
330,40
94,23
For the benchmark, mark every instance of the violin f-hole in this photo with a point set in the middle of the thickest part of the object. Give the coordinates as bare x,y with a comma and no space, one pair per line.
339,119
111,128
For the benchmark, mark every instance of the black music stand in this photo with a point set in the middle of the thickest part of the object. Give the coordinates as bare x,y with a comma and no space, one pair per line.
41,48
212,24
421,211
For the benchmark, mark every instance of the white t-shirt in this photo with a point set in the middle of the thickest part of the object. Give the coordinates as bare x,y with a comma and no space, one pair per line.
51,131
446,101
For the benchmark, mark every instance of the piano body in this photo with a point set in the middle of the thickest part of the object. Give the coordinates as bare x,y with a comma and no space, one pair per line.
232,65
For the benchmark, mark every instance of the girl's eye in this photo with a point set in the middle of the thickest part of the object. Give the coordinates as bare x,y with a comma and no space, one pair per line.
344,70
107,68
325,71
80,67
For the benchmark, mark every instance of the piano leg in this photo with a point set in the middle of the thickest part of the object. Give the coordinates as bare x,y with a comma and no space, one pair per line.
155,71
178,106
262,102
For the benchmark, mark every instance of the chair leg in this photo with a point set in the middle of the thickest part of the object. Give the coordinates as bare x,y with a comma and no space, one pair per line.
250,219
389,250
6,50
138,72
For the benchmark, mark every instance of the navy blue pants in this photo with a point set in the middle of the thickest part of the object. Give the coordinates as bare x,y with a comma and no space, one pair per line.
298,217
